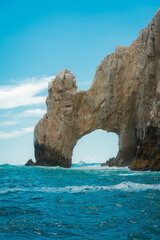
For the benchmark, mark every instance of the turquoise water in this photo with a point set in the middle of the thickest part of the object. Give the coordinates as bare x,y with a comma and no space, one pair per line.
84,202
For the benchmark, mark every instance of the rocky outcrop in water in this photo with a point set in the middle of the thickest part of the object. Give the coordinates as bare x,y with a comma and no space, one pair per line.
109,163
124,98
30,163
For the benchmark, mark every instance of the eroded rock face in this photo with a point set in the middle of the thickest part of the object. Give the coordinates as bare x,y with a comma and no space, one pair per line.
124,98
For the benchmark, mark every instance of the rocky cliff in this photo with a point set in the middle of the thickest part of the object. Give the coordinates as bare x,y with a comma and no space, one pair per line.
124,98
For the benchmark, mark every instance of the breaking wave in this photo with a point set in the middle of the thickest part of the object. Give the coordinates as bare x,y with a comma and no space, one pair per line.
124,186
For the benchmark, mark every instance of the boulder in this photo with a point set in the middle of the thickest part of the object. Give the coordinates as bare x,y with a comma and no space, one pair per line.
30,163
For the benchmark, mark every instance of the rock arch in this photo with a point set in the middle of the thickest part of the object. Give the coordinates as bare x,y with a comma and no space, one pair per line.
72,114
124,92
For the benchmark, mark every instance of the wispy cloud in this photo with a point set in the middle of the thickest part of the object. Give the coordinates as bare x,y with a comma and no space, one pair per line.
8,123
84,83
38,112
16,133
90,159
24,94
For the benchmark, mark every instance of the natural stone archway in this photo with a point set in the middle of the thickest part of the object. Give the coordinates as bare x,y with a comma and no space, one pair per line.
71,115
124,92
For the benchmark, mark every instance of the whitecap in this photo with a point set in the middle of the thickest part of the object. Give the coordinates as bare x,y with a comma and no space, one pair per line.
16,189
131,174
124,186
130,186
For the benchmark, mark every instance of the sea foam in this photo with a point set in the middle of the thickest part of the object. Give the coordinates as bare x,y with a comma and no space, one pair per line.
124,186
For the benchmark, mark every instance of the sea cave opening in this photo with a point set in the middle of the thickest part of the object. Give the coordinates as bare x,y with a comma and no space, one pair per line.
96,147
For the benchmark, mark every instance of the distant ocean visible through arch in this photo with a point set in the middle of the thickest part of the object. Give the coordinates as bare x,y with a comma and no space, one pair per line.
96,147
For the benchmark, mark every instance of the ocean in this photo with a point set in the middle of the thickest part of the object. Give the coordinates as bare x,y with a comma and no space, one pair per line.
84,202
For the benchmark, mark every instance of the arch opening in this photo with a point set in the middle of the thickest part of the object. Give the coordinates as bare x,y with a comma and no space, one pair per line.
96,147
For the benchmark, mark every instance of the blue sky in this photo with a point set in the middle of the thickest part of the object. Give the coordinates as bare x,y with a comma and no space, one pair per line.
40,38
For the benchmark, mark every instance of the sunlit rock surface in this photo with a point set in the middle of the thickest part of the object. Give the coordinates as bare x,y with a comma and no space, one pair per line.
124,98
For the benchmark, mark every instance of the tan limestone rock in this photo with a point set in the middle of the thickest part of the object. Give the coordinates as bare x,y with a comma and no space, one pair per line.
123,99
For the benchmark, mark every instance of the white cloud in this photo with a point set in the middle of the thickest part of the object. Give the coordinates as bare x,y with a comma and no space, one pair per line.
90,159
24,94
8,123
16,133
84,83
38,112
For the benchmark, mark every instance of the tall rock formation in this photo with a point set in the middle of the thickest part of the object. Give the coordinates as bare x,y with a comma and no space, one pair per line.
124,98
